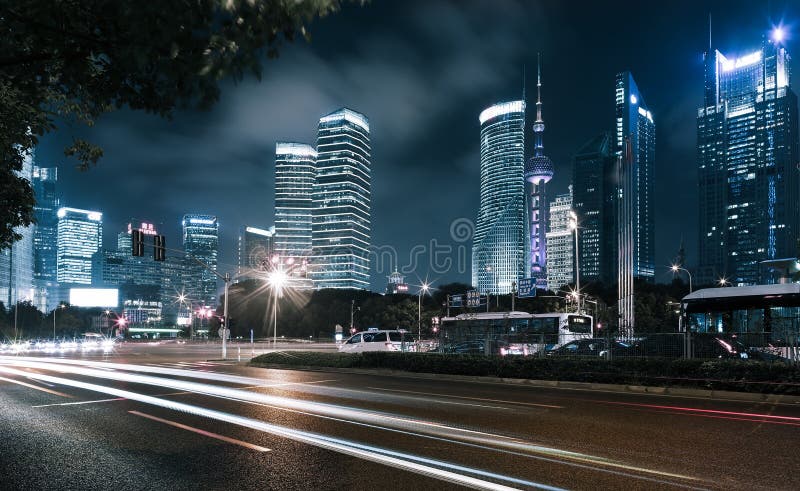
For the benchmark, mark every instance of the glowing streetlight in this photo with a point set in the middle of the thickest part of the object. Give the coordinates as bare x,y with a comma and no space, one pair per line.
62,306
573,225
723,282
423,289
276,279
675,268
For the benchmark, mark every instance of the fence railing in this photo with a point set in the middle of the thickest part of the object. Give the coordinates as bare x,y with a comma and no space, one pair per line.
749,346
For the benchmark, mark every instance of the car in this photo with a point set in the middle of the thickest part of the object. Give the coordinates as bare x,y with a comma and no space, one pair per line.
377,340
590,347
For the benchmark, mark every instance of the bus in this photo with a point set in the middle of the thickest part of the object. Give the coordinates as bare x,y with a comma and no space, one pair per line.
512,333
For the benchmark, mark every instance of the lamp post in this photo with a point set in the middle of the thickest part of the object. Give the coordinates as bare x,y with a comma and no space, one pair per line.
723,282
675,268
277,279
423,289
62,306
573,224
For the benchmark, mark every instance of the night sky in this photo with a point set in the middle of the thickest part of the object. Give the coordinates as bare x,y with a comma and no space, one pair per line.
421,72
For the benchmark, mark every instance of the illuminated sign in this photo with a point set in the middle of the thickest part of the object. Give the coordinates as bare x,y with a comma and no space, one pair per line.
145,228
94,297
746,60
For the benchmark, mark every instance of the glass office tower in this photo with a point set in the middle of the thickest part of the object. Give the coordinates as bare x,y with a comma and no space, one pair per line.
635,128
80,235
593,194
295,171
201,241
16,262
747,152
499,254
341,202
256,247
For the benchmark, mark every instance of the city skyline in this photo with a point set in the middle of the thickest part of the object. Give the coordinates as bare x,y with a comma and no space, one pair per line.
407,184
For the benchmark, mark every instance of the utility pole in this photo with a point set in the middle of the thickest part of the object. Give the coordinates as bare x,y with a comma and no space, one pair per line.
513,294
352,308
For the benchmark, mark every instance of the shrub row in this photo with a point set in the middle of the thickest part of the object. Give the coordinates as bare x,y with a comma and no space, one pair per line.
747,376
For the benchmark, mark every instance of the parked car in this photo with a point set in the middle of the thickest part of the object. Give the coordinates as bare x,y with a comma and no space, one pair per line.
376,340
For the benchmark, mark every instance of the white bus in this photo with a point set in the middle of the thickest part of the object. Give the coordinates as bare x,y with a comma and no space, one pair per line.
512,333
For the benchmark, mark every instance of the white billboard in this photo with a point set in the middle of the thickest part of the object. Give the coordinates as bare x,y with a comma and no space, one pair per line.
94,297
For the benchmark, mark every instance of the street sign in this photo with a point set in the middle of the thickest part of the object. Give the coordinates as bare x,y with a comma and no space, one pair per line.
526,288
456,301
473,298
226,331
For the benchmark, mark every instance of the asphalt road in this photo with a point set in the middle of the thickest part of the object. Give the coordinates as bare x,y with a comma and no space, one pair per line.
162,418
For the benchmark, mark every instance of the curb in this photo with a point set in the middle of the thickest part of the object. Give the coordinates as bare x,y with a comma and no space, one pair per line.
557,384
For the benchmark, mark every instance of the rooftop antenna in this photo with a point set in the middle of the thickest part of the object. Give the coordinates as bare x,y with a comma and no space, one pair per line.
523,81
709,31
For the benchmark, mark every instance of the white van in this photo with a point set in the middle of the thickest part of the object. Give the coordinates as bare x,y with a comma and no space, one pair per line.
375,340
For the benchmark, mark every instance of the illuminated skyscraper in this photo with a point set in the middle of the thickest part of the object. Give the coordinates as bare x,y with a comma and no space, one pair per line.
499,254
45,236
593,194
538,172
201,241
560,243
634,123
80,235
295,171
16,262
341,202
747,152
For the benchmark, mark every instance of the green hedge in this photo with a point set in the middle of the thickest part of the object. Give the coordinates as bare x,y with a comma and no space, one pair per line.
747,376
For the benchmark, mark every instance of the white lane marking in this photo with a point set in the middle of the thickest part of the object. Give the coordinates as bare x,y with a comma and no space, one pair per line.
209,434
81,402
549,406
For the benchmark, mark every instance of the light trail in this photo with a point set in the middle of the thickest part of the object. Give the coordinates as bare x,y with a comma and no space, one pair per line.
548,406
380,420
679,409
209,434
78,403
429,467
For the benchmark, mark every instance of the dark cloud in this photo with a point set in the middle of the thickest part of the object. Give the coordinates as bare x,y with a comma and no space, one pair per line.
421,71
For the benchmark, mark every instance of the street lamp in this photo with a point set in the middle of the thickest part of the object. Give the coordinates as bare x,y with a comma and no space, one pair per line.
675,268
573,224
423,289
276,279
62,306
723,282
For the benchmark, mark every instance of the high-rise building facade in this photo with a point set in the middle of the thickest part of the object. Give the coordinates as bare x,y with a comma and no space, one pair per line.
499,253
45,180
593,195
16,262
538,172
747,152
80,236
341,202
636,130
201,242
45,236
560,243
295,172
256,247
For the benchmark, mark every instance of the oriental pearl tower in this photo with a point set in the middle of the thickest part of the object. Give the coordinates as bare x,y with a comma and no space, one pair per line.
538,172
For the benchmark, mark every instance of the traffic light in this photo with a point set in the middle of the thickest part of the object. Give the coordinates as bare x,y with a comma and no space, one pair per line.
159,248
137,243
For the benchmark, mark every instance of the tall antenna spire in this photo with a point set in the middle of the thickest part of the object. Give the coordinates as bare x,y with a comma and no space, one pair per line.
523,82
709,31
538,126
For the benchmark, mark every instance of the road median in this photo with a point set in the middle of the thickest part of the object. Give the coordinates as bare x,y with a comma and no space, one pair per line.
757,380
